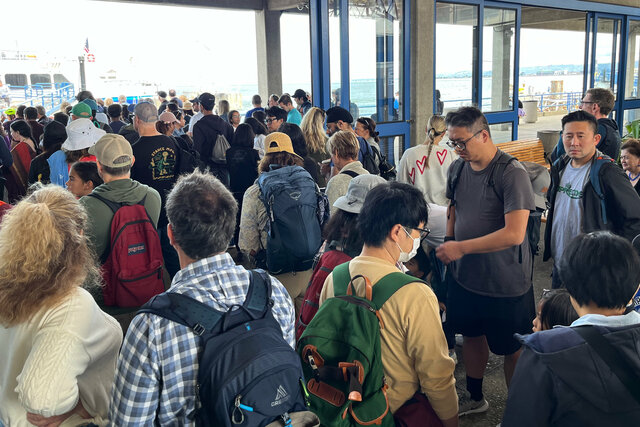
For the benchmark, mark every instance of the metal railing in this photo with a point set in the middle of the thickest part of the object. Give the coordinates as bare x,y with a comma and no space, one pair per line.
547,102
49,95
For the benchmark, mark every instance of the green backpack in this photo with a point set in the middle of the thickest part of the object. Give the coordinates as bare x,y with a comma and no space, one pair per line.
340,351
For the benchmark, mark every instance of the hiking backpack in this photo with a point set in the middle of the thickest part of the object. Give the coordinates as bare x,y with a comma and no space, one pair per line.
247,373
340,351
132,271
369,160
296,211
497,170
323,268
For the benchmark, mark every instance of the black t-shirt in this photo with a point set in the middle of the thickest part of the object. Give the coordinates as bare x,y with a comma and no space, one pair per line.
242,163
156,165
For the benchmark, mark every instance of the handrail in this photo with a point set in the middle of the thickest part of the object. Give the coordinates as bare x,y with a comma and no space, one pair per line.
49,95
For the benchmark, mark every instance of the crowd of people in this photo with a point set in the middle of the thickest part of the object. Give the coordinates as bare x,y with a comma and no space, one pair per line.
172,262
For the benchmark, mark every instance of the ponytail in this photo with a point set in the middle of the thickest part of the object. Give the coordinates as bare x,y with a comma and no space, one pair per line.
437,127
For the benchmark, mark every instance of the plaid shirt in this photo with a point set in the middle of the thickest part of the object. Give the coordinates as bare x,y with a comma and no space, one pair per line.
157,369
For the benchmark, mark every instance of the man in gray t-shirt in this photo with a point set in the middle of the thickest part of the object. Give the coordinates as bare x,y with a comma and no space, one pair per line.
568,201
490,294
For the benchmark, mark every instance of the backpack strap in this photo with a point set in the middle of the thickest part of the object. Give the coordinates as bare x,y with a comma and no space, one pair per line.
202,318
352,174
497,170
594,178
384,288
114,206
184,310
611,356
341,279
259,294
455,170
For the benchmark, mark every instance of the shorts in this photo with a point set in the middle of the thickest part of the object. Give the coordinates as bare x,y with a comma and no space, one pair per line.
474,315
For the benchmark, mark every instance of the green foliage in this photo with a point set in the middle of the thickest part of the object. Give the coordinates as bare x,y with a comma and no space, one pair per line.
633,130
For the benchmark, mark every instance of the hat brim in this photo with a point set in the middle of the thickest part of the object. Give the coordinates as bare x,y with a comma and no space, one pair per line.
351,206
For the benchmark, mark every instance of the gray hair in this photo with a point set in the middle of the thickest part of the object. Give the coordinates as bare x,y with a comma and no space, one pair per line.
41,110
146,112
202,214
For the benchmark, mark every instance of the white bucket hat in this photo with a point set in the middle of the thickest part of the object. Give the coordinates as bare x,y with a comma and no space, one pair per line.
81,133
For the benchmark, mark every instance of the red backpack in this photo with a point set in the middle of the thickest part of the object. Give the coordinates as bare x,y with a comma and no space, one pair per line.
132,271
328,261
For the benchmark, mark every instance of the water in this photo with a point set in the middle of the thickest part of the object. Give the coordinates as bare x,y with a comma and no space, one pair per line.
452,90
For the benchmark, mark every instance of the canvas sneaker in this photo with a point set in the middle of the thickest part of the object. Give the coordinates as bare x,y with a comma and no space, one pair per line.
467,406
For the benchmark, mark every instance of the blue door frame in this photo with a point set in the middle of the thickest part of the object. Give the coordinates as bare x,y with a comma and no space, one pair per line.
596,10
320,65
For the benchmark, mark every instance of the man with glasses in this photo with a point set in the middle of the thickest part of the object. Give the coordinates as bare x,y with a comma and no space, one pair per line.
490,295
275,117
600,103
415,358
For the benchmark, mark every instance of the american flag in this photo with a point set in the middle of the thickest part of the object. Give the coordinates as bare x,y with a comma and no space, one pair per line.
86,45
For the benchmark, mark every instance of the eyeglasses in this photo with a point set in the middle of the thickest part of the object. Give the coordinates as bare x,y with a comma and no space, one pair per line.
586,102
461,145
270,120
424,232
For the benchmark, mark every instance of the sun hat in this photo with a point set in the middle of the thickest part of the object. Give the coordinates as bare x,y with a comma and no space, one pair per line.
81,133
359,187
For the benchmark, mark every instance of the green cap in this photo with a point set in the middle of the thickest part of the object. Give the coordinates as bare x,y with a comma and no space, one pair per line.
81,110
10,111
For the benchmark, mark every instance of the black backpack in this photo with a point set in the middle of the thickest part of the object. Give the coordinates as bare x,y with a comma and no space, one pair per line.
189,158
387,170
497,170
369,160
248,375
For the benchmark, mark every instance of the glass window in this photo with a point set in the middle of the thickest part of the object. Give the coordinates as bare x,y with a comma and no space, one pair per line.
295,50
456,55
633,60
630,116
375,60
498,61
334,48
607,54
40,78
16,79
501,132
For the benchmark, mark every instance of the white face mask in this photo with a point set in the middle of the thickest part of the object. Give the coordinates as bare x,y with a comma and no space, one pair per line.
406,256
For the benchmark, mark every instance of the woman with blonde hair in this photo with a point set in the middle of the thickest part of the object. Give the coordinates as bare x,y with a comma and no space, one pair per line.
59,350
312,127
425,166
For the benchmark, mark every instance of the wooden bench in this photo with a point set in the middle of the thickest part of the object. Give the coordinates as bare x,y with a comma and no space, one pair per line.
525,150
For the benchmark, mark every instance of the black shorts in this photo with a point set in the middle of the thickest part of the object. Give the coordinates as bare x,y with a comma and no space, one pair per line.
474,315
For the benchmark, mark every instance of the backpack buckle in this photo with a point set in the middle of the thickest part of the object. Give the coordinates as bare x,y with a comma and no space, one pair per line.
198,329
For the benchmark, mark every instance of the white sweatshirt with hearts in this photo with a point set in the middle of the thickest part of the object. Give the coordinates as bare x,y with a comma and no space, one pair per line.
430,176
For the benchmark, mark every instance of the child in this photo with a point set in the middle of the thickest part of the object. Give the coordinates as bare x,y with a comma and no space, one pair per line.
554,308
83,178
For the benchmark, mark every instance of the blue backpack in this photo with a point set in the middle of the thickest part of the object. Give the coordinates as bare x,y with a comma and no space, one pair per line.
248,375
58,168
296,210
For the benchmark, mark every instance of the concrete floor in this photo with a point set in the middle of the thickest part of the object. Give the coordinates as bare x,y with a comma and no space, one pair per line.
494,387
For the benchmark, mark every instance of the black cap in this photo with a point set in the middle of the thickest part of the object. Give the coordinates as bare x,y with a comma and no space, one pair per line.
207,100
338,113
54,133
194,100
299,93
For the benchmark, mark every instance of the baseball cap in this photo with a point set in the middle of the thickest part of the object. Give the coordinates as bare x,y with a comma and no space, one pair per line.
299,93
81,133
194,100
359,187
338,113
207,100
91,103
81,110
111,147
278,142
168,117
10,111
